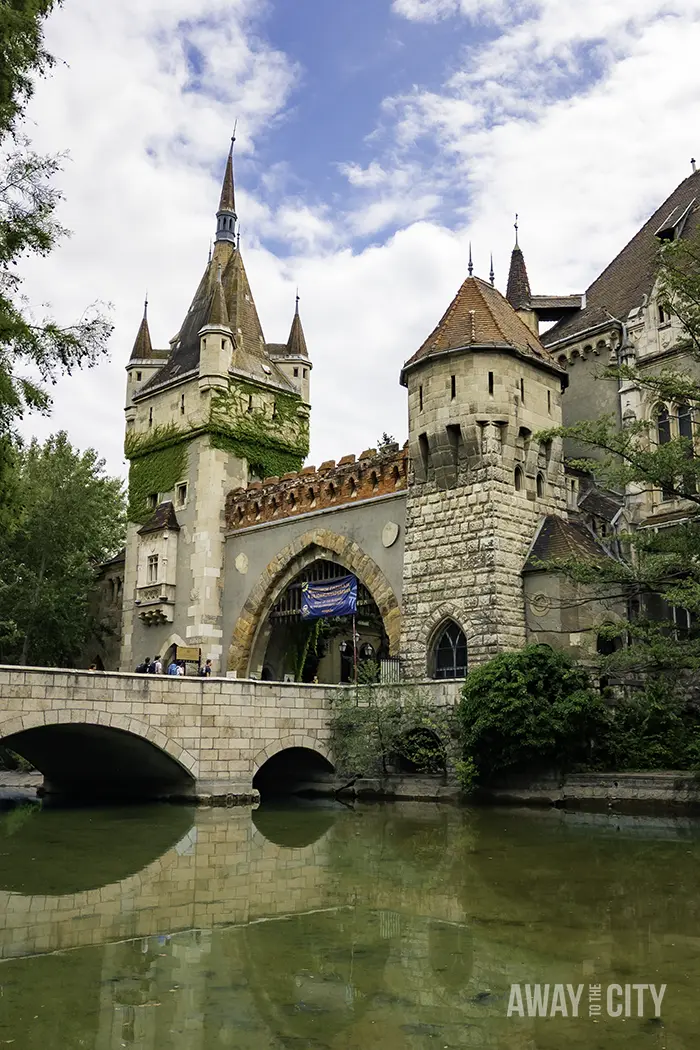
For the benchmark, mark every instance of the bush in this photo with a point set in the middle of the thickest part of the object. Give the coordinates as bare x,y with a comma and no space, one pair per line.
529,711
654,729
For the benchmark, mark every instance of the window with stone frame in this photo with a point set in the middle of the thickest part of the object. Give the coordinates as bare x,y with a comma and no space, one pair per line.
152,568
449,652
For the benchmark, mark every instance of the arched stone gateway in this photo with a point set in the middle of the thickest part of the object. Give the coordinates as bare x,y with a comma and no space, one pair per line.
315,545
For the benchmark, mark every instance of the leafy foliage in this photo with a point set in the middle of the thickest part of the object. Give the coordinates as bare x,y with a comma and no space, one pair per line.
377,729
526,711
28,203
22,55
68,517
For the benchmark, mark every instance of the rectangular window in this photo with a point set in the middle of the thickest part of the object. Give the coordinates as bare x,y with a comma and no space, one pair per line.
420,398
522,391
296,373
453,387
152,500
152,568
303,373
182,404
454,437
150,417
491,384
250,402
182,494
549,401
138,377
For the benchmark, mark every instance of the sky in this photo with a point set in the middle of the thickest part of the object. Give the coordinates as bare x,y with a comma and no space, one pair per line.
375,140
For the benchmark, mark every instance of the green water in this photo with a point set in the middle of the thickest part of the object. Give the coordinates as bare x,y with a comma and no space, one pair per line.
400,927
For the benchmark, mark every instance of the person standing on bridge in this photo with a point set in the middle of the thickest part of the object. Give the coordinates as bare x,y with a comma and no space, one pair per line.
173,668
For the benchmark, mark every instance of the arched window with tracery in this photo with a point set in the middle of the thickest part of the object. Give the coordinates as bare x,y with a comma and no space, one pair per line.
663,434
449,655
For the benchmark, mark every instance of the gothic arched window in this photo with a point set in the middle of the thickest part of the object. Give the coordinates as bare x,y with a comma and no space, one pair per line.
449,656
685,430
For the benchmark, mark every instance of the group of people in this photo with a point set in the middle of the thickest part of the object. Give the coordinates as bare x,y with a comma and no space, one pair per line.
176,667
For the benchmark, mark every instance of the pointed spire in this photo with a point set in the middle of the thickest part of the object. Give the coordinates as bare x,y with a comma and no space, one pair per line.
143,349
296,344
492,275
226,215
518,291
471,264
228,194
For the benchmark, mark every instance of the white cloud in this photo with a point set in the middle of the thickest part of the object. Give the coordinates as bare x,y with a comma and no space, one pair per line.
520,124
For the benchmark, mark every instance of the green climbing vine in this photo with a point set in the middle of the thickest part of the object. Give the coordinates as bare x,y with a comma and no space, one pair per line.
271,444
157,471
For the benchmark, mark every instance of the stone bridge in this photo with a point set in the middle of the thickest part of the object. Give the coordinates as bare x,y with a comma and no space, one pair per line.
101,734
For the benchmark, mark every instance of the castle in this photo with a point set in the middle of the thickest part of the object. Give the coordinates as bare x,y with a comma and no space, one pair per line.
448,537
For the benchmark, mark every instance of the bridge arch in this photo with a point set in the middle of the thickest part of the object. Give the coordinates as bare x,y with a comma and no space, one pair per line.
100,754
280,768
317,544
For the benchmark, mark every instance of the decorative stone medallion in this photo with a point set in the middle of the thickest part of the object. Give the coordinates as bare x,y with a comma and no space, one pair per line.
390,533
540,604
241,563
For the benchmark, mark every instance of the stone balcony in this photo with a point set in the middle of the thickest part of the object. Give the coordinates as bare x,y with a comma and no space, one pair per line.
156,602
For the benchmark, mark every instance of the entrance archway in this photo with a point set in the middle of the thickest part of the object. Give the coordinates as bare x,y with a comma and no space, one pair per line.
320,650
252,631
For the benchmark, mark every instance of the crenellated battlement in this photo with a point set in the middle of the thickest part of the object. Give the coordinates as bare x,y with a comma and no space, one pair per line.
350,480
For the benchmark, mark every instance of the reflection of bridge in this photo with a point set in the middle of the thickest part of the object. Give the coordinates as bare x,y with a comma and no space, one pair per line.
158,735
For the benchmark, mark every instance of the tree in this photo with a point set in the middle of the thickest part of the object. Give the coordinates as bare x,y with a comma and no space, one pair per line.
528,711
385,441
377,728
70,518
28,226
660,570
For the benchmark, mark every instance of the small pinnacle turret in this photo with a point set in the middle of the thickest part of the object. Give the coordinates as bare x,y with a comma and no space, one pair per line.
518,291
143,348
296,344
226,215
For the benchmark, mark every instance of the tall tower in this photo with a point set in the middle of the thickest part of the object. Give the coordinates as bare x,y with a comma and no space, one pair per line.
208,415
479,389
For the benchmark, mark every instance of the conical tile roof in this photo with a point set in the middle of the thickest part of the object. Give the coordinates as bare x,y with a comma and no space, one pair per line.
143,349
480,316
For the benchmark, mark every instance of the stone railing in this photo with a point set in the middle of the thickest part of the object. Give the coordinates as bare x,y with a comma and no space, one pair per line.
344,483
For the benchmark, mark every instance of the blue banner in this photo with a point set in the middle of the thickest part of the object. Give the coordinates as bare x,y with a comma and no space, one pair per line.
330,598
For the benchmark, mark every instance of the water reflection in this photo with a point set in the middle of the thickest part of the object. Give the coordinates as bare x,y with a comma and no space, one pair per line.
49,851
393,927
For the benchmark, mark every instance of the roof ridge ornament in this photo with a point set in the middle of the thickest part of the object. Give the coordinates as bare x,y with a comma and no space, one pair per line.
471,264
516,230
492,275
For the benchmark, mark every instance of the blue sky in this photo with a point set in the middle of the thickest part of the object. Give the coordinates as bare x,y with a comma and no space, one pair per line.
376,139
